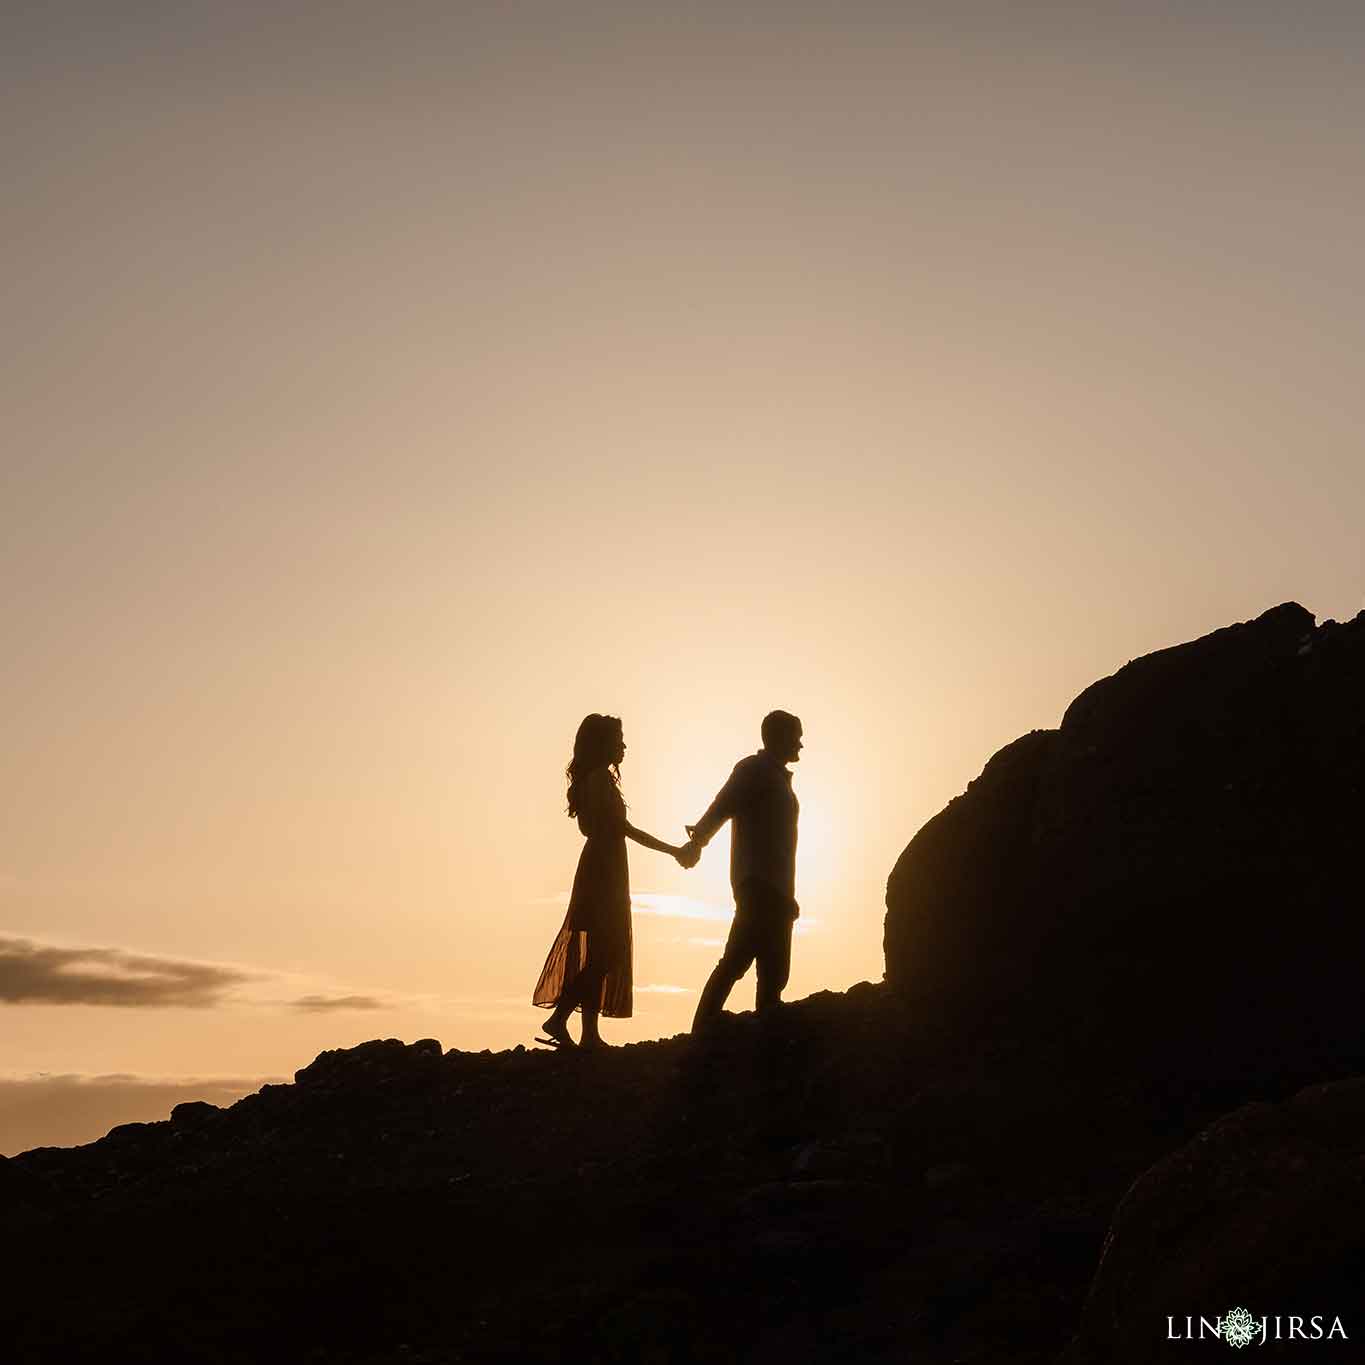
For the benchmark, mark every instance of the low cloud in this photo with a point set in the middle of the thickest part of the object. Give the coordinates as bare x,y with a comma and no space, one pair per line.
319,1004
66,1110
44,974
665,990
667,906
662,904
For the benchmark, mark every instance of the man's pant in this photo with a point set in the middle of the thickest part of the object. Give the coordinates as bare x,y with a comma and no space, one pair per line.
762,934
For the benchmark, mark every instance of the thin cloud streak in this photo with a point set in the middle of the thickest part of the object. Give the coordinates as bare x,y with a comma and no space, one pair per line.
319,1004
68,1108
33,973
665,905
662,904
64,1110
678,907
44,974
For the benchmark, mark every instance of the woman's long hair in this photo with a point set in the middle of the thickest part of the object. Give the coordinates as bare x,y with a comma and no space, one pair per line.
593,746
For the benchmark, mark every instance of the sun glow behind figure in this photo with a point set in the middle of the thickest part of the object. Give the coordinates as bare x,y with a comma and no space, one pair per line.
823,846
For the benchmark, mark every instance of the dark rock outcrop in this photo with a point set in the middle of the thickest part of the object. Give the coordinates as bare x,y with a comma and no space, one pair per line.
1264,1210
1174,875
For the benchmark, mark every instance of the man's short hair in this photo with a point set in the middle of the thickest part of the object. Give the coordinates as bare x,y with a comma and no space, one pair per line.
778,725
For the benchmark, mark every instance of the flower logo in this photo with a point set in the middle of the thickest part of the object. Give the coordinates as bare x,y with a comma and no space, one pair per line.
1239,1328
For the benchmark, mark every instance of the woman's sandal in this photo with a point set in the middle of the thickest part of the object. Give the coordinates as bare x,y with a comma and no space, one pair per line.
556,1038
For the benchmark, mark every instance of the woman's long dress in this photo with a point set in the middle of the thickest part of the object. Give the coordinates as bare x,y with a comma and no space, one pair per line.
596,929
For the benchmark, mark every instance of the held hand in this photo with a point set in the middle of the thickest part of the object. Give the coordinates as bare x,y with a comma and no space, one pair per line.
688,855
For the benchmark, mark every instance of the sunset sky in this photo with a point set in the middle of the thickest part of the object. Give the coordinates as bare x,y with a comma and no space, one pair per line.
389,385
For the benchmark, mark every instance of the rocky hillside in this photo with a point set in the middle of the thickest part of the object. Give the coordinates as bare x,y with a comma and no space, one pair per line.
845,1185
850,1184
1102,1085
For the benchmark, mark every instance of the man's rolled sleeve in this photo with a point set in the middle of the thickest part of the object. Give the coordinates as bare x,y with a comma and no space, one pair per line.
728,800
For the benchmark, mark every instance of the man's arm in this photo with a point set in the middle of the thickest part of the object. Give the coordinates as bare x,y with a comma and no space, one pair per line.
728,800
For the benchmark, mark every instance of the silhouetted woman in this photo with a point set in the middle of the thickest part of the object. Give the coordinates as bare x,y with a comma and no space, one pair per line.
589,965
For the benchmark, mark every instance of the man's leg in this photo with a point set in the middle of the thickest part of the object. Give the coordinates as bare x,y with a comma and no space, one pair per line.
734,962
774,962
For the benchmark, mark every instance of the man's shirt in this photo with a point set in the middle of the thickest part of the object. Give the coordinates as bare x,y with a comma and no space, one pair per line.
758,797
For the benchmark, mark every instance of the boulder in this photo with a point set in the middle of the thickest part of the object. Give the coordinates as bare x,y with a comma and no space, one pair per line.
194,1114
380,1061
1173,873
1264,1211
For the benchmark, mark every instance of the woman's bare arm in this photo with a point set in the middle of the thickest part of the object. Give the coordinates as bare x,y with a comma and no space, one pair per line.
649,841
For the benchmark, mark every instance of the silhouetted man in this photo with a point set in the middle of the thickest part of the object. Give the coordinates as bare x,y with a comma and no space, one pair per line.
759,799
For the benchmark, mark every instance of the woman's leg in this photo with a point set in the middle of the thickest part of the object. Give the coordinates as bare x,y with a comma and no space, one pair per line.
591,999
586,990
556,1026
570,992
